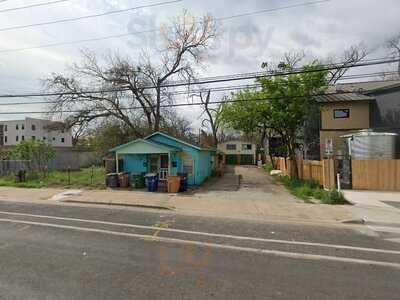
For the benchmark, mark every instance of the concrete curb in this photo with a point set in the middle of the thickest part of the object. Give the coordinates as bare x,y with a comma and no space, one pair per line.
120,204
354,221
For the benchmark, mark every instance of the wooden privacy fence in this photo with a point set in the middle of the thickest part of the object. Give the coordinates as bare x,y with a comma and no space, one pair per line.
381,175
322,172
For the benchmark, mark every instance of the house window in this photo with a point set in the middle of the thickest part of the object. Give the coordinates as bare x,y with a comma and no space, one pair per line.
54,139
33,137
341,113
230,146
17,138
33,127
62,140
5,127
5,139
246,146
23,126
44,138
16,127
22,138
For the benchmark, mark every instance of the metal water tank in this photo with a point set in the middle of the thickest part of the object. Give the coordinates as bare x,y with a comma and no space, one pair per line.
372,145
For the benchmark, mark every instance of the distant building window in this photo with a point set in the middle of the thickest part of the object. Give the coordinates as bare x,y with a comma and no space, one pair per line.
5,127
33,127
44,138
5,139
62,131
54,138
246,146
33,137
16,127
23,138
230,146
341,113
62,140
17,138
23,126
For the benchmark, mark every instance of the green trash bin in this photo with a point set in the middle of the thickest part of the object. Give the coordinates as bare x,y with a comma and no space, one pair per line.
138,181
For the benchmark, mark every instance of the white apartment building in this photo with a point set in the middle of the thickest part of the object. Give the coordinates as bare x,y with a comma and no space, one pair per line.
13,132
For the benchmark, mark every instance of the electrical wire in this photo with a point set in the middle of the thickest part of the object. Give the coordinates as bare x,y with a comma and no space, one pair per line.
50,45
214,89
32,6
175,105
216,79
89,16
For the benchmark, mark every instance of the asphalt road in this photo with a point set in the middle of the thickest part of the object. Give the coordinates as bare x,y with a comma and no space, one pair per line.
71,252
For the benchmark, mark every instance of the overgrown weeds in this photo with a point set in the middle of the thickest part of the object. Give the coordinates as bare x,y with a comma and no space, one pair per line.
309,191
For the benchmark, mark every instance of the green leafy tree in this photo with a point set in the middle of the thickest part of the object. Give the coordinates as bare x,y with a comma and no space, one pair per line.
248,114
38,152
283,105
292,100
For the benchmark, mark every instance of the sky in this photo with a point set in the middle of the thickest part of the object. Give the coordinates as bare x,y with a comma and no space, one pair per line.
321,30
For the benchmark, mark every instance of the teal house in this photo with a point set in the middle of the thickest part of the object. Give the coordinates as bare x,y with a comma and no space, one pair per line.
165,155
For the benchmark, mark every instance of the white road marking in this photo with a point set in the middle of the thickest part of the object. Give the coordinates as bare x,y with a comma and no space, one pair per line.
293,255
235,237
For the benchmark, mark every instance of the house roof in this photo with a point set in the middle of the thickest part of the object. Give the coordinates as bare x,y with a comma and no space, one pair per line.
357,91
368,86
157,145
177,140
345,97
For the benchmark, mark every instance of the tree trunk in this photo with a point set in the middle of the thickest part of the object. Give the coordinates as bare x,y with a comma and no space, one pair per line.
157,118
292,157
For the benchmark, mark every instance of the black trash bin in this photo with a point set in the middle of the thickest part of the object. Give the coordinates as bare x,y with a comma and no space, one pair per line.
112,180
184,182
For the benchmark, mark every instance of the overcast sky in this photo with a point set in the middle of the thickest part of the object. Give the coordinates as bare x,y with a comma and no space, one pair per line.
321,30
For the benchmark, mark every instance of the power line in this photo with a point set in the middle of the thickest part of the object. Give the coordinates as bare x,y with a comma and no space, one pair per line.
210,80
89,16
217,89
50,45
176,105
263,11
32,5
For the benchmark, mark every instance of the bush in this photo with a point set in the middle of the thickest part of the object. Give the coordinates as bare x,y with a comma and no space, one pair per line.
268,167
334,197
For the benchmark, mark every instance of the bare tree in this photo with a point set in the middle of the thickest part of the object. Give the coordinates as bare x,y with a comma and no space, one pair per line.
393,44
133,93
212,120
350,57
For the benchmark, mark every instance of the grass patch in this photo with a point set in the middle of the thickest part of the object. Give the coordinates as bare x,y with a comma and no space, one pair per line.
77,179
268,167
308,190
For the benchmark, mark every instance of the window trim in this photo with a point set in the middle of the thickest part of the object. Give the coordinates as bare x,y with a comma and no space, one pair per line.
343,110
245,147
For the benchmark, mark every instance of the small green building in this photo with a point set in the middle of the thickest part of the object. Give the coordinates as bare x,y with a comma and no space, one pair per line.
165,155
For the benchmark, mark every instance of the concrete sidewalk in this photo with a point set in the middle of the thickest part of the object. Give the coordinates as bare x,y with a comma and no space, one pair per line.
242,205
375,207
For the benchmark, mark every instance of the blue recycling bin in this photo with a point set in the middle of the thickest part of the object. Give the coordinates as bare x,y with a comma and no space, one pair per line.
184,182
152,182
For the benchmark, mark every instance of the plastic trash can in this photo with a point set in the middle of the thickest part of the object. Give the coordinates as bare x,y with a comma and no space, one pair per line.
184,182
152,182
174,182
138,180
123,179
112,180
